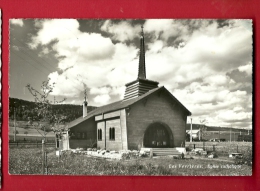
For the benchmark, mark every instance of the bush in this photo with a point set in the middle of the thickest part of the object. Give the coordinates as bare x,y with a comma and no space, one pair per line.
129,155
246,158
143,154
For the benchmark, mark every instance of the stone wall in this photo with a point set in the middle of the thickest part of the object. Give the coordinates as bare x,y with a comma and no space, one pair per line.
158,107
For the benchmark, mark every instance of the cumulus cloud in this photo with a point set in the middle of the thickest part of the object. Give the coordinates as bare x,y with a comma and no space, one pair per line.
18,22
246,68
122,31
88,59
102,98
206,64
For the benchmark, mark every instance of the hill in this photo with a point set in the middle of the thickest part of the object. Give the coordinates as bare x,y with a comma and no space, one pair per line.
214,128
24,109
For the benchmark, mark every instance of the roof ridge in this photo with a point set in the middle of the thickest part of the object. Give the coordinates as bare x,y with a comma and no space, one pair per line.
117,105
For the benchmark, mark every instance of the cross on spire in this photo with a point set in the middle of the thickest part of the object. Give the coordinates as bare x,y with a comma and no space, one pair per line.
142,32
141,69
85,95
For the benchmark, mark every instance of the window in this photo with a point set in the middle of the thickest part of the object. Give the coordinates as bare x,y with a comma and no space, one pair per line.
72,135
112,133
78,135
99,134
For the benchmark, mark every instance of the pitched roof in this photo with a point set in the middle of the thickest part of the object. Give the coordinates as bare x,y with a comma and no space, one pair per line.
120,105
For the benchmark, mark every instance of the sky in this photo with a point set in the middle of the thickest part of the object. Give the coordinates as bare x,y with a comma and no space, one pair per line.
205,64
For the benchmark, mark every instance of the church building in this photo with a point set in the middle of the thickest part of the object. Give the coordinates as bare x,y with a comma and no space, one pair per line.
149,116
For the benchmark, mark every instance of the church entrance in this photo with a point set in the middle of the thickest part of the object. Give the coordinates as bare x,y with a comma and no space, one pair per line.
157,135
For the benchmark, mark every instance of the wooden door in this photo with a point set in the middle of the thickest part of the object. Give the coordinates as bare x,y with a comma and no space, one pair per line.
156,136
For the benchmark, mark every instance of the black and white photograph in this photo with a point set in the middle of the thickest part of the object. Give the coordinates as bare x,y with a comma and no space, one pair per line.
163,97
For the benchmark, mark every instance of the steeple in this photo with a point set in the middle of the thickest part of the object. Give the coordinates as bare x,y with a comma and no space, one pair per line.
141,85
141,69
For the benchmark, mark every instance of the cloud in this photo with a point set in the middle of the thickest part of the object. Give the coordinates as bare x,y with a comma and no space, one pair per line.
208,51
102,99
55,29
18,22
122,31
85,59
246,68
206,64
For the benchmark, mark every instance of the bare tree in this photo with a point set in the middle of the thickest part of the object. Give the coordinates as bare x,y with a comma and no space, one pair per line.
203,129
45,119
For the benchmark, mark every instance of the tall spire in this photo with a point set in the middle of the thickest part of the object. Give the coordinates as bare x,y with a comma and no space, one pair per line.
141,69
141,85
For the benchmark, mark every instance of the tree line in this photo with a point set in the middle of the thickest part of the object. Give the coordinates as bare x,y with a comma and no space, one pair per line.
26,109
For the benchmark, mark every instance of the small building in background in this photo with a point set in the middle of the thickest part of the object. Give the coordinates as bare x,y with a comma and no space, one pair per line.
196,134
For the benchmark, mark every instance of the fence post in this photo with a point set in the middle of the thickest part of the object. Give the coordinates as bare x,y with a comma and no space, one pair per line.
17,143
45,161
151,153
213,147
203,145
194,146
59,149
43,156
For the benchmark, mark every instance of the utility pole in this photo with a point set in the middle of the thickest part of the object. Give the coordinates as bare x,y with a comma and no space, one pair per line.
199,133
14,125
230,134
190,129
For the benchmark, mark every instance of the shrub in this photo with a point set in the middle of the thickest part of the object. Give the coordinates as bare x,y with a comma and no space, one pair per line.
215,155
143,154
246,158
129,154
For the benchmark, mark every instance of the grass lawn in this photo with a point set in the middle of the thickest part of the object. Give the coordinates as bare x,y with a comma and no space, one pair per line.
28,161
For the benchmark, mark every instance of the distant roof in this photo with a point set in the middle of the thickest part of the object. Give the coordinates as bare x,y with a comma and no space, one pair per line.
193,131
120,105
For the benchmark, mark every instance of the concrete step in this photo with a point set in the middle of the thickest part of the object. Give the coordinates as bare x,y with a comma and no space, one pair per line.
165,151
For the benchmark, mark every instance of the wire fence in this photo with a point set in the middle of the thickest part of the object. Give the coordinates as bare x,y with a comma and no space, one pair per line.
221,147
29,144
28,138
